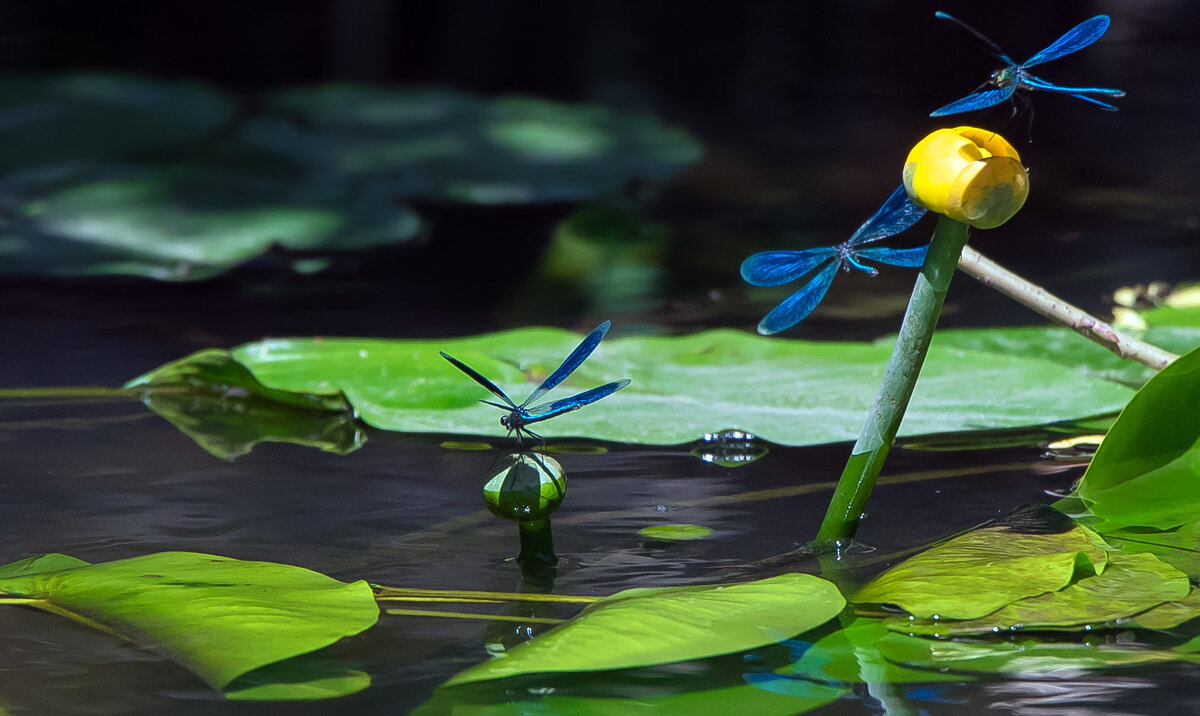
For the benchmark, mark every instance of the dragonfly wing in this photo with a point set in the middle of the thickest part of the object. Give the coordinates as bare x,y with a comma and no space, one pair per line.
573,361
801,303
775,268
909,258
1077,38
990,46
1041,84
1085,98
897,214
976,100
575,402
478,378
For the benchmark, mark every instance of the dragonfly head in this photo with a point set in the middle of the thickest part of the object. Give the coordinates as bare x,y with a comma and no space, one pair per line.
507,421
1004,77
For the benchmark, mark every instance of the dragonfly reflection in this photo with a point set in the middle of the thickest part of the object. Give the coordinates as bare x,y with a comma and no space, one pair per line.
519,417
1007,81
774,268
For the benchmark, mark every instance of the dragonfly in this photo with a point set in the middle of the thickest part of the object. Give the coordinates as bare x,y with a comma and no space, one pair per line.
519,417
775,268
1007,81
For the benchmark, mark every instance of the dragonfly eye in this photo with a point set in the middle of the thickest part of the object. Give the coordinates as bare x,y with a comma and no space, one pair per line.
504,422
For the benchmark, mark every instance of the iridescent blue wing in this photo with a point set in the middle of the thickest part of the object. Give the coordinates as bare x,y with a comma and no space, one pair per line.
909,258
897,214
990,46
1075,39
976,100
1102,105
801,303
775,268
1041,84
568,366
478,378
575,402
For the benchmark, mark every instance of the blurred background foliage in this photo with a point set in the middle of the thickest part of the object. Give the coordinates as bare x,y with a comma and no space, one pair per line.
333,162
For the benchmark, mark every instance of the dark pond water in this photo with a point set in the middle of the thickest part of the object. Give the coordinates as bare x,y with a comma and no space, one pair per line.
806,111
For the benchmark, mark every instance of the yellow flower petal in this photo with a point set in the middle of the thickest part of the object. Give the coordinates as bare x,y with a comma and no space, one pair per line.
971,175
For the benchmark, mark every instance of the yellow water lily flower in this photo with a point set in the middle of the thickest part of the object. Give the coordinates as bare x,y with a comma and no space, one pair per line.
969,174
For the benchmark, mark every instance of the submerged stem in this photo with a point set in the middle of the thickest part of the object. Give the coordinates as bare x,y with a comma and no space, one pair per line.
1037,298
879,430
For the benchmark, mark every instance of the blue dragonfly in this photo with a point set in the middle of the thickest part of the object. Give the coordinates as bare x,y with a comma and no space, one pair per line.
519,417
1007,81
775,268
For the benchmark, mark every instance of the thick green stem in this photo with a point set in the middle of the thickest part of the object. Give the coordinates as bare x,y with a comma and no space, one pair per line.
879,430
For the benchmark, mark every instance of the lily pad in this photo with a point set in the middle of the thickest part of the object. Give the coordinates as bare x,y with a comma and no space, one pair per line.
1178,546
46,119
217,616
203,397
786,391
1169,615
184,221
1147,471
642,627
1069,349
1133,583
976,573
435,143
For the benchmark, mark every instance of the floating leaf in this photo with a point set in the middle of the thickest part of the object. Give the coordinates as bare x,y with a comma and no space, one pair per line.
1169,615
976,573
642,627
207,398
1178,547
436,143
41,563
1131,584
217,616
1147,471
791,392
184,222
51,118
1067,348
675,533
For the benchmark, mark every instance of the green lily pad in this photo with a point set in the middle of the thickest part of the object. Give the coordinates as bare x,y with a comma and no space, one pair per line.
1187,314
1133,583
789,392
675,533
1147,471
46,119
184,222
978,572
217,616
642,627
1178,546
203,397
440,144
41,563
1169,615
1069,349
